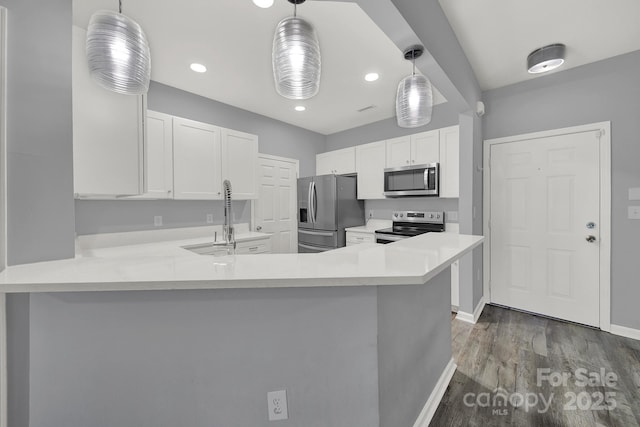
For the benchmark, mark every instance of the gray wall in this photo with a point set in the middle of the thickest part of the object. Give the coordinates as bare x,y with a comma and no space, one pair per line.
414,346
18,349
383,208
204,358
443,115
606,90
111,216
39,136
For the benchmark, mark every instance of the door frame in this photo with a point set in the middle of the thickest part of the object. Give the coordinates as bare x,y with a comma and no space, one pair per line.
605,207
4,390
296,162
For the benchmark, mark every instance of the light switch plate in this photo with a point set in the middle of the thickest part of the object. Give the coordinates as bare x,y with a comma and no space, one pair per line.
634,193
634,212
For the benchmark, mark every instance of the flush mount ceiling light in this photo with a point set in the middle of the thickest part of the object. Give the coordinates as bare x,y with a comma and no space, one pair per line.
300,108
414,99
198,68
372,77
118,53
263,3
546,58
296,57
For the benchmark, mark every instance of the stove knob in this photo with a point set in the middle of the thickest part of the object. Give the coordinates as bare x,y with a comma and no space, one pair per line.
395,214
438,216
431,216
401,215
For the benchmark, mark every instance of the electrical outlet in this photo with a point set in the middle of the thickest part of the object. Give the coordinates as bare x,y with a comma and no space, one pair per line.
209,218
277,404
370,214
634,212
157,221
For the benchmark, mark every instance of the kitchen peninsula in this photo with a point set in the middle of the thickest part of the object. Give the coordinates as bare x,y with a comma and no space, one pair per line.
154,334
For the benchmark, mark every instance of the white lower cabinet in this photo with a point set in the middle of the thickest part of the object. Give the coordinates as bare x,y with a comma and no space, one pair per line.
357,237
108,134
455,284
370,164
196,160
258,246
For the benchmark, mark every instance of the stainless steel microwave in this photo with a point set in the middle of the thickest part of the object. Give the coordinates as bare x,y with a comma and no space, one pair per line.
413,180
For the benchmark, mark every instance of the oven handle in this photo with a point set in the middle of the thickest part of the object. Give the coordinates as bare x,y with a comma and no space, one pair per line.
390,237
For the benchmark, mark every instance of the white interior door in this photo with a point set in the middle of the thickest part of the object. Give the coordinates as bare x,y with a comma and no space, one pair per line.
275,208
545,193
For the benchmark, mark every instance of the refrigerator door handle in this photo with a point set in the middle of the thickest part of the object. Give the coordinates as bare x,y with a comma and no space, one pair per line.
309,202
315,203
316,233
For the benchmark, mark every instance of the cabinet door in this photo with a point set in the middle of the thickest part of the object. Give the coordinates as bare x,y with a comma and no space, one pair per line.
196,160
323,164
159,156
240,163
107,133
450,162
344,161
398,152
425,147
336,162
370,164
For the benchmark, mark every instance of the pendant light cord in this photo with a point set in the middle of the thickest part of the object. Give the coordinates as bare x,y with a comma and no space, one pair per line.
295,9
120,6
413,59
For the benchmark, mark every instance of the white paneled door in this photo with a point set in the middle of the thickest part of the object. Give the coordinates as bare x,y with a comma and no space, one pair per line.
545,221
275,208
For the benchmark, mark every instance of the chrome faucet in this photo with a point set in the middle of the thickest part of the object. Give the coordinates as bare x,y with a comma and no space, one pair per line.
229,237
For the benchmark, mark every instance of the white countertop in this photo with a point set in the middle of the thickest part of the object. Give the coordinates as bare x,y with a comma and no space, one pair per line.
166,265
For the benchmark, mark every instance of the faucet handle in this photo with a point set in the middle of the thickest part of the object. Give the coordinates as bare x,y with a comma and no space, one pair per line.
215,236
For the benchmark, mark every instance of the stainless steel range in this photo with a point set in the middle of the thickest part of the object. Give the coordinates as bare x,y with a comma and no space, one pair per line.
410,223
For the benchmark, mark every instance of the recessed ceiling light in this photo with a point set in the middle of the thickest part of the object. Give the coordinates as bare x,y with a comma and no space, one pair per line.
372,77
300,108
263,3
546,58
198,68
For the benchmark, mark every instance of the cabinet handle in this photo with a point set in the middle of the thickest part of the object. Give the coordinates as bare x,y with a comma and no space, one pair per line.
255,248
407,161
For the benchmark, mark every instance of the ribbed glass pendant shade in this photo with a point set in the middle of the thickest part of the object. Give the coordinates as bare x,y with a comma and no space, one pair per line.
296,59
118,53
414,101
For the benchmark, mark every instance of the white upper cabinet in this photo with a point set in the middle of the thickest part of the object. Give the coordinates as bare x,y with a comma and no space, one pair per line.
108,134
196,160
450,162
337,162
370,164
158,165
399,152
425,147
240,163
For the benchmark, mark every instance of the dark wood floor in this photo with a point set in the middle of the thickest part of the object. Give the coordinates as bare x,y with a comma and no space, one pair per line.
504,356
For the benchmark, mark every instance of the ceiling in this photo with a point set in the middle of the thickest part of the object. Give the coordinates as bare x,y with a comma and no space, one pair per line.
233,39
498,35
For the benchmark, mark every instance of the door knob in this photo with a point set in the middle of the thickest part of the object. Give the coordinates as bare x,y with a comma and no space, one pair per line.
258,228
591,239
591,225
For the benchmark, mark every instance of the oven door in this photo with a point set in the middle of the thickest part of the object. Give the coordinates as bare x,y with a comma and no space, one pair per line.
388,238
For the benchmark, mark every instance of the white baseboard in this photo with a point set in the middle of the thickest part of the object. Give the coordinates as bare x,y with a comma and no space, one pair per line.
431,406
469,317
624,331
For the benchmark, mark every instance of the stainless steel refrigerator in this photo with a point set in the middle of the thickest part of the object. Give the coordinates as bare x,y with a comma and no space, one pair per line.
327,204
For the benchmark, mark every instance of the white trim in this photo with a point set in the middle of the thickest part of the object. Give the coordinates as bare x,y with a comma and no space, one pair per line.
472,318
605,207
429,409
624,331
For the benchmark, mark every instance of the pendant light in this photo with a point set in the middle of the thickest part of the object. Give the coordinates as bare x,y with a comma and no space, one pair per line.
118,53
546,58
414,99
296,57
